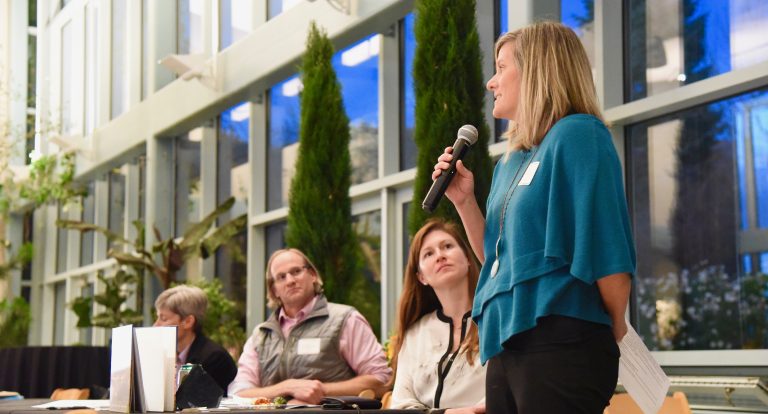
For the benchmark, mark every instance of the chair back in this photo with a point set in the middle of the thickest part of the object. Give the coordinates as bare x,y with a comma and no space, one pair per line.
70,394
624,404
385,400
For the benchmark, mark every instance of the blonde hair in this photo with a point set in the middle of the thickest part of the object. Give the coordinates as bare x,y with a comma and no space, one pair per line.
185,300
273,301
556,80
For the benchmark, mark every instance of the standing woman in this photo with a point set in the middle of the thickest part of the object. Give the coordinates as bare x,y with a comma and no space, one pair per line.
436,346
556,243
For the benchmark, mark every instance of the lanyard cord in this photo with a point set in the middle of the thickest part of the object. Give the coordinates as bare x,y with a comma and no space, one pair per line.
508,198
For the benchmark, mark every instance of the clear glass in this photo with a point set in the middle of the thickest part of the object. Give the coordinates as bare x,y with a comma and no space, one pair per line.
236,20
86,334
284,117
408,96
675,43
278,6
580,16
142,163
27,237
146,59
698,182
233,175
275,240
88,216
60,308
502,18
190,26
357,68
32,71
187,180
357,71
119,58
32,13
67,79
116,211
91,64
367,226
61,242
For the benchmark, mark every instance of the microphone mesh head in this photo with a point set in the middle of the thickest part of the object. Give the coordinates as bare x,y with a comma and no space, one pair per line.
468,133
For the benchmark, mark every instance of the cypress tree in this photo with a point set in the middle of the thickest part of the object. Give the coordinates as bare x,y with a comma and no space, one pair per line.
319,215
449,90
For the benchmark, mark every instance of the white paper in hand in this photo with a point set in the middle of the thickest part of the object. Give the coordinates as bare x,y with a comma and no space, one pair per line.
640,374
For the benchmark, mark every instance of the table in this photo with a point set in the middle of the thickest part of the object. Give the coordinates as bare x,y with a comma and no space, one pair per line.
35,371
25,407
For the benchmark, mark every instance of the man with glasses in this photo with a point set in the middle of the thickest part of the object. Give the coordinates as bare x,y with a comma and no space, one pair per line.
308,348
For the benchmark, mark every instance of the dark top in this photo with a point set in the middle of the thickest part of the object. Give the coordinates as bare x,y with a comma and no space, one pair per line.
215,360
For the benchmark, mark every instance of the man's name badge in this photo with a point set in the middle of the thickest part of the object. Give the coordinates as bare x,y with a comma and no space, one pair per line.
529,173
308,346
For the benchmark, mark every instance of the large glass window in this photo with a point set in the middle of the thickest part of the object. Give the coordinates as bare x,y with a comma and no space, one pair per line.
284,114
60,308
116,212
190,26
31,71
61,242
67,78
407,94
91,62
88,216
502,16
187,180
275,240
278,6
580,16
187,191
699,191
675,43
236,20
367,226
27,237
357,71
120,74
233,179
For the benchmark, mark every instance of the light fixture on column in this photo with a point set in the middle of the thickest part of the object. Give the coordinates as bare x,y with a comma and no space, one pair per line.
72,143
192,66
344,6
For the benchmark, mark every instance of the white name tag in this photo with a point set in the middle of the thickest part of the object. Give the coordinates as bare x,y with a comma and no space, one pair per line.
308,346
529,173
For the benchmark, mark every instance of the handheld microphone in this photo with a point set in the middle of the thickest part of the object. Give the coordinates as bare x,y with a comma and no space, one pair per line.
466,136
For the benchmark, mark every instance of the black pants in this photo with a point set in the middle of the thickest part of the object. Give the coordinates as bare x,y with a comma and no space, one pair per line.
563,365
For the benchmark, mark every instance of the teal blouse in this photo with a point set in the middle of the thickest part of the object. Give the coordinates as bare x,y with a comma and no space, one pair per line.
566,226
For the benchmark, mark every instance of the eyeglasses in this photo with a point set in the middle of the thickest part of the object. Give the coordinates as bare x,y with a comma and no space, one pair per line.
295,272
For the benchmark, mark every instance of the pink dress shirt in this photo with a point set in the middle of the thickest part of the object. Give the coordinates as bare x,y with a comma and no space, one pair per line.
357,344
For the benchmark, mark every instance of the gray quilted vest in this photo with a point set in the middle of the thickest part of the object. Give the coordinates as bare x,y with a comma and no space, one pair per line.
317,337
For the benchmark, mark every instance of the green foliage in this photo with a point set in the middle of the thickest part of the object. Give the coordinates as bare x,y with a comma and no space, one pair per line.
117,289
703,308
51,180
167,256
319,216
222,319
17,261
163,259
449,90
15,318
